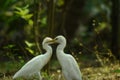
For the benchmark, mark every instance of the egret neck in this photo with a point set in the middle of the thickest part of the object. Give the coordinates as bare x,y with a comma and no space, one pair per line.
61,47
48,49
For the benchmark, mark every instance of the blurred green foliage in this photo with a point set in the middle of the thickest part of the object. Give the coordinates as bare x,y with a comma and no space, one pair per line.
24,13
24,22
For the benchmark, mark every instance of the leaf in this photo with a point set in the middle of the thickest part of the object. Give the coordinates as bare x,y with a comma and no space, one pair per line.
27,17
19,9
44,20
9,46
26,7
30,50
29,44
117,71
60,2
30,22
23,12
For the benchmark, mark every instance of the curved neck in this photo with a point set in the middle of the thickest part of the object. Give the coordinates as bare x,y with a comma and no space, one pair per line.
61,47
48,53
48,48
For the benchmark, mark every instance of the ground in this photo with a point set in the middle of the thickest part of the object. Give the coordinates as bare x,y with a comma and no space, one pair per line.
91,70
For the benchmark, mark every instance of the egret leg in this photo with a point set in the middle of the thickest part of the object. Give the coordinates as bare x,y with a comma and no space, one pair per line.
39,75
66,76
59,77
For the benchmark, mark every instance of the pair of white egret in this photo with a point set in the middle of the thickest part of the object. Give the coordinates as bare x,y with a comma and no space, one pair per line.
70,68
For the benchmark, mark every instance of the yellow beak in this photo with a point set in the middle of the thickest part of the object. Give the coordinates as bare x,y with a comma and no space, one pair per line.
52,41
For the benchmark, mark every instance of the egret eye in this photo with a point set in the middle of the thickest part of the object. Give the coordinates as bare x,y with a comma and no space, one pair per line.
56,38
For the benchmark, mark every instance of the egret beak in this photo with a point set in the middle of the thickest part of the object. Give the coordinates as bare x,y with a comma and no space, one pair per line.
51,41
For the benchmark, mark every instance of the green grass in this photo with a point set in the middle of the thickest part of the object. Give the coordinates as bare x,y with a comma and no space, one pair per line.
90,68
108,72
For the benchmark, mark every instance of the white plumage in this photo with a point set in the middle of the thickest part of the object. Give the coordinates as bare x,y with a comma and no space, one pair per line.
34,66
70,68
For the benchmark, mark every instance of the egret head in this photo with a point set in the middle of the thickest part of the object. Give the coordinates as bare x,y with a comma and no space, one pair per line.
46,44
47,40
60,39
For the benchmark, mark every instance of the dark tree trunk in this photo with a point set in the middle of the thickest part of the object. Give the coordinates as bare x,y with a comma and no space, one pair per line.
71,16
50,18
37,10
115,16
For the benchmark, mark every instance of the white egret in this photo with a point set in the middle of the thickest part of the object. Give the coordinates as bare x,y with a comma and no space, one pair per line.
34,66
70,68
